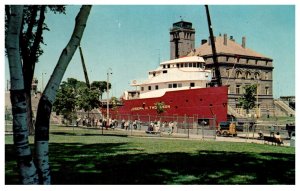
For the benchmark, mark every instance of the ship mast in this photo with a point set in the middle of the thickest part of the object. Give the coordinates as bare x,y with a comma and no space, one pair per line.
216,79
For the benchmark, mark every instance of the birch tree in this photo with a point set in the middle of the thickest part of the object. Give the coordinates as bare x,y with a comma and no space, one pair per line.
49,94
31,38
29,172
27,169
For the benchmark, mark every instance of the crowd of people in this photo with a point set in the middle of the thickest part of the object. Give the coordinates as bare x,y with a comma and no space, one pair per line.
153,126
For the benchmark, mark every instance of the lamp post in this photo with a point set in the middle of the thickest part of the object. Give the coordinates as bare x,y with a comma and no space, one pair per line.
109,72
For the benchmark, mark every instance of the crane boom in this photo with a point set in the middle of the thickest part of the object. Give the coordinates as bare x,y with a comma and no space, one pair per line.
84,68
216,80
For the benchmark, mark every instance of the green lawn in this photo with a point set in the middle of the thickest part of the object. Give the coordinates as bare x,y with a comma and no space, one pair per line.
87,157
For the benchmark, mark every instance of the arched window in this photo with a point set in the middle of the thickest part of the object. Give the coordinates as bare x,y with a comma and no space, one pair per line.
248,75
256,76
238,74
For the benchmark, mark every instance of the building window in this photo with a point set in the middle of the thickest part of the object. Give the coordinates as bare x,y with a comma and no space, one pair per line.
177,65
227,73
149,87
174,85
168,65
267,90
192,84
266,76
164,66
237,89
165,71
194,65
186,65
190,65
142,88
248,75
156,87
181,65
256,76
154,74
169,85
180,85
238,74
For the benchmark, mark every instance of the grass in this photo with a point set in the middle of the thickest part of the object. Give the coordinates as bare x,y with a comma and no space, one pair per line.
87,157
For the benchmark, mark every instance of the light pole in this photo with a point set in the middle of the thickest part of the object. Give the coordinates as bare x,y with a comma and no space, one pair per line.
109,71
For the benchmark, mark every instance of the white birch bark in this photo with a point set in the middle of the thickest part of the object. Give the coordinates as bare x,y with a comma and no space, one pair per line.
49,94
27,169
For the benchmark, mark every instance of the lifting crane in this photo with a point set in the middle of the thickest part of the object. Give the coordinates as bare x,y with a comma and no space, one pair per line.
84,68
216,79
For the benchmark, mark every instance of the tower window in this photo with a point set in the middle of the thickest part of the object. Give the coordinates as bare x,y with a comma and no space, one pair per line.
266,76
267,90
237,89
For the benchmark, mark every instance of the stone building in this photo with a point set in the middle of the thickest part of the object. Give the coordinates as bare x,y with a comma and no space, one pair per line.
239,66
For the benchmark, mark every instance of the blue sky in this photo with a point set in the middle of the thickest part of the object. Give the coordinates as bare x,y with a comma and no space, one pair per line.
132,39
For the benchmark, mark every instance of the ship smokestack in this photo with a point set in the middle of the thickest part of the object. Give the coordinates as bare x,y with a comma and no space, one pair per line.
225,39
244,42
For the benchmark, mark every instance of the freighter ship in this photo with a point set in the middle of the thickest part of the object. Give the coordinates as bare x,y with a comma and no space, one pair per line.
181,85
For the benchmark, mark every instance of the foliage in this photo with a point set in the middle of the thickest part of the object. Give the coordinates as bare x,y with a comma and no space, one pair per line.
87,99
160,107
101,86
75,95
247,101
115,102
65,102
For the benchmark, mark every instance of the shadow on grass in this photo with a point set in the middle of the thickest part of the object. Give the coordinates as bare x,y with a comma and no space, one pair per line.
87,134
117,163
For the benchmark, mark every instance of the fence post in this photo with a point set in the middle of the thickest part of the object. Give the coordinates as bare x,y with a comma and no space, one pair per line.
202,126
215,126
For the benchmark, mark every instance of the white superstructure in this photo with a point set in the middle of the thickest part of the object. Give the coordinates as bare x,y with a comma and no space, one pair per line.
178,74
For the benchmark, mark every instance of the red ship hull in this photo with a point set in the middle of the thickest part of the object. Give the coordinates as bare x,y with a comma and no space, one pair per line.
203,102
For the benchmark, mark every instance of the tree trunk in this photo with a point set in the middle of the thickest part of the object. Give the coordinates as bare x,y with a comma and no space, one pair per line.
27,169
30,57
49,94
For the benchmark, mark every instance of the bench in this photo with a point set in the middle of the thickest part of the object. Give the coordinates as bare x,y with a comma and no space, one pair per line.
272,139
152,132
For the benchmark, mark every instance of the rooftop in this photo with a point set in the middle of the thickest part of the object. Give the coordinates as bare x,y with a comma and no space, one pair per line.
226,46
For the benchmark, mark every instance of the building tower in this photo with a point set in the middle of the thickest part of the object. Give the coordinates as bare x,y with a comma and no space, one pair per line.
182,39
